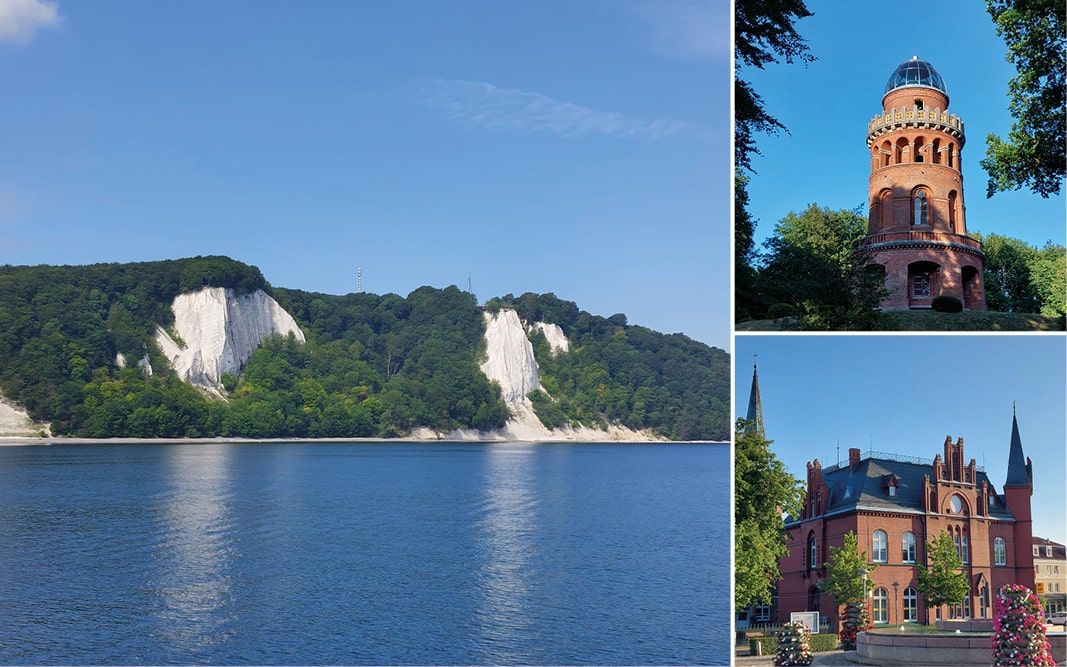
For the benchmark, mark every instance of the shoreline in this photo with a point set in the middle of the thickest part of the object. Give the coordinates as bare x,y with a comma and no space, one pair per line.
25,441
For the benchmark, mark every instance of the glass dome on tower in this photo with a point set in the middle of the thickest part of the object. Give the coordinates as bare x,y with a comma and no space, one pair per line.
915,72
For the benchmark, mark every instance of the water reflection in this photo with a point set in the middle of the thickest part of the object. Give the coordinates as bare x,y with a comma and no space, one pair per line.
507,542
194,587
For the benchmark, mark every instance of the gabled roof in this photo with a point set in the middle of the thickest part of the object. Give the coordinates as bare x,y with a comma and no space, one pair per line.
865,488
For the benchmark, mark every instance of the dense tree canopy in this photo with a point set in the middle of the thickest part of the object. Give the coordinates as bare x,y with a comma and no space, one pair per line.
763,490
623,374
1033,156
808,264
374,366
1020,278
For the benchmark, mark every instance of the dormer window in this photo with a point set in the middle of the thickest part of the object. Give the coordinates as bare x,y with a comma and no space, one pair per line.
919,105
892,491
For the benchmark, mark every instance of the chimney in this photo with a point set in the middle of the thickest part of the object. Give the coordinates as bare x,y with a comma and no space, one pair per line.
853,458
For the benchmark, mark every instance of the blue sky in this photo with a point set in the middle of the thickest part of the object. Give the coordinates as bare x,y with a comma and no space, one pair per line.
551,146
826,105
895,393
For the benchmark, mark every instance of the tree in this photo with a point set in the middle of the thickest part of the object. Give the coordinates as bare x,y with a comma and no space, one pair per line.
763,490
1033,156
1007,275
845,571
1020,278
808,262
940,581
763,32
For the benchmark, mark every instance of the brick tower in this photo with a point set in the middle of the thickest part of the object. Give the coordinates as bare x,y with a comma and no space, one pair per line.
917,227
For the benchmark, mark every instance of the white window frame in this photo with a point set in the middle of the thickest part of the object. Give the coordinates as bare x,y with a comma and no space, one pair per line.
908,549
879,546
911,605
880,606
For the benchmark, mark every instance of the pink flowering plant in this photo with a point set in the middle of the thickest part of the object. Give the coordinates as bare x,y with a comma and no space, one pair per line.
1019,629
794,645
857,620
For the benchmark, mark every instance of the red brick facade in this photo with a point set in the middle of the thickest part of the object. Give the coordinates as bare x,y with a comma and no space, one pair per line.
896,507
917,226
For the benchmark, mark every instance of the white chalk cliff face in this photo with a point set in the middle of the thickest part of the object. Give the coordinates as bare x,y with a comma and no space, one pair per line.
509,356
557,341
510,362
220,330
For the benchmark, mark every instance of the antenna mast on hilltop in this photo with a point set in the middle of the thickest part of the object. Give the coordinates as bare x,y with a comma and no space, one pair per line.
468,283
359,280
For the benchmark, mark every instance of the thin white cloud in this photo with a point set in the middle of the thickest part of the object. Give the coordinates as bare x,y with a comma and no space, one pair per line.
20,19
485,105
687,29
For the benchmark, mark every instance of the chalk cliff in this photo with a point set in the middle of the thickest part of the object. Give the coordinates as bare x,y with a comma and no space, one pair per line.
557,340
218,330
510,362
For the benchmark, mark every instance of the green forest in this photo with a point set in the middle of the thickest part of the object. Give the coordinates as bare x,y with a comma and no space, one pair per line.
372,365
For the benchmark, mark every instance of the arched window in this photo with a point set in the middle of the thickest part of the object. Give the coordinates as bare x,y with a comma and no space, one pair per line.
1000,552
966,556
921,207
985,601
908,543
880,605
879,547
952,210
812,561
911,605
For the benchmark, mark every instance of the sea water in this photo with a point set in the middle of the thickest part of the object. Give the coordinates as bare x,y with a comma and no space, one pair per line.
365,553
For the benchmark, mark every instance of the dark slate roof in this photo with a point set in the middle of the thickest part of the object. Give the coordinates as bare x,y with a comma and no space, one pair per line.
865,488
755,407
1018,468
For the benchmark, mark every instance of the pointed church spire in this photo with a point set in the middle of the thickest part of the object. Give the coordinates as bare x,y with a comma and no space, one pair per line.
755,408
1018,467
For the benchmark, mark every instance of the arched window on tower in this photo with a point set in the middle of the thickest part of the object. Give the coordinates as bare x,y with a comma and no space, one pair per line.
952,211
920,144
935,152
951,154
921,208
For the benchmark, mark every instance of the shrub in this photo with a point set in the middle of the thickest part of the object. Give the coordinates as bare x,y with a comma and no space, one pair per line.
824,642
946,304
781,310
793,645
767,645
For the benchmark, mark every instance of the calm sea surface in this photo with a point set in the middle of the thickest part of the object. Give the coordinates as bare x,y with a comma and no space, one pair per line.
389,553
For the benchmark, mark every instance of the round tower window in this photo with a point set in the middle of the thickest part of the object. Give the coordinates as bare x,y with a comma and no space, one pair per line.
956,504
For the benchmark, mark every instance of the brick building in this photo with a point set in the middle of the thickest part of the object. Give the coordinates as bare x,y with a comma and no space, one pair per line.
896,505
917,228
1050,574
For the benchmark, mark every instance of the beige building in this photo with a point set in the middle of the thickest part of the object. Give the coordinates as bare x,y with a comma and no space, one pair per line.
1050,574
